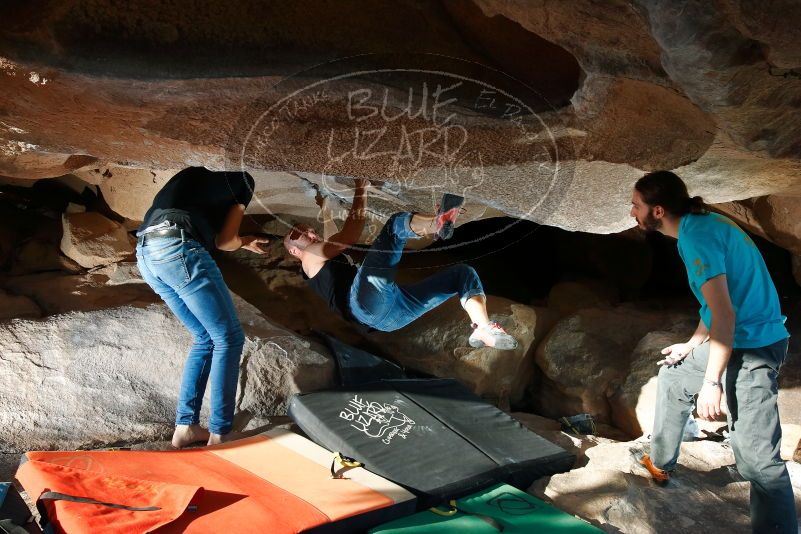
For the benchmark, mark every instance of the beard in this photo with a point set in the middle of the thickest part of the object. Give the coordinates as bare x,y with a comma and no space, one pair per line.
650,223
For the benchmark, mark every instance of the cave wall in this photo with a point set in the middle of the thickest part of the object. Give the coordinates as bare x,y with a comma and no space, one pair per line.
619,88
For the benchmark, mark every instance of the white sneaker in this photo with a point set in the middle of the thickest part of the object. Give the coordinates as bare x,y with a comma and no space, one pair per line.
491,335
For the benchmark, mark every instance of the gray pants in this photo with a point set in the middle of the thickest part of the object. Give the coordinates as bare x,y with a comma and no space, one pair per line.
751,392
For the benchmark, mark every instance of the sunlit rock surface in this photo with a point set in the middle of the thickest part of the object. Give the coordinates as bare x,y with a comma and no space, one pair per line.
612,91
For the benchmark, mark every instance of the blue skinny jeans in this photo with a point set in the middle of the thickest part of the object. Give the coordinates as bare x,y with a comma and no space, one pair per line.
380,303
186,277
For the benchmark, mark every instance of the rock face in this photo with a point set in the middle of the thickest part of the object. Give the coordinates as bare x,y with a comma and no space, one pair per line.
633,404
92,240
437,344
56,293
607,488
129,191
619,496
568,297
587,356
706,88
30,238
121,273
109,376
727,73
774,217
12,306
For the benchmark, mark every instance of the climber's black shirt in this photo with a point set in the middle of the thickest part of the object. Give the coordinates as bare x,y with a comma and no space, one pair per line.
198,200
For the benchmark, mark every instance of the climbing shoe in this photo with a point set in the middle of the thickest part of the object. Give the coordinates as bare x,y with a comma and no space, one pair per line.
660,476
491,335
449,209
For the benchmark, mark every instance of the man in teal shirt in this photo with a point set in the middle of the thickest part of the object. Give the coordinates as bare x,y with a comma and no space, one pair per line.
739,345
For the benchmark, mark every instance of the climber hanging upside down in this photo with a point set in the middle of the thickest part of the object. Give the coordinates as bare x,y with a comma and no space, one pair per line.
369,295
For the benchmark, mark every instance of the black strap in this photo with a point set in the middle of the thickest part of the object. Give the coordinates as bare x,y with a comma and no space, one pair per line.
9,527
56,496
170,232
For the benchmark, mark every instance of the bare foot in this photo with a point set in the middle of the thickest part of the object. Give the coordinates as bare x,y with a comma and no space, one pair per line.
216,439
187,434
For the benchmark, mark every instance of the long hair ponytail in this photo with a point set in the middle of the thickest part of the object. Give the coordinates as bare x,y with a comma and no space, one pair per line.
666,189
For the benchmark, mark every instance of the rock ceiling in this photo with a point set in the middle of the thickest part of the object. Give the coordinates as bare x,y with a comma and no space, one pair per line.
543,110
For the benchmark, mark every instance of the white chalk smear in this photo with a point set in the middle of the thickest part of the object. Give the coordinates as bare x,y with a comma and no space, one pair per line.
36,79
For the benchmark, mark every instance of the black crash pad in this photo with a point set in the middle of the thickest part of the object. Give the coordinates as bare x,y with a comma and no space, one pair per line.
356,367
432,436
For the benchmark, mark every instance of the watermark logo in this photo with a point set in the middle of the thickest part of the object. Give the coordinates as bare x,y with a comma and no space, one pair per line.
377,420
416,126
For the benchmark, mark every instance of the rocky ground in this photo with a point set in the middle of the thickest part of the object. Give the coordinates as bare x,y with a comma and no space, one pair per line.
86,379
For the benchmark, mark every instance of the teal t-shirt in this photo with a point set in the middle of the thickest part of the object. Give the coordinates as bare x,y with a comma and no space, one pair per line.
711,245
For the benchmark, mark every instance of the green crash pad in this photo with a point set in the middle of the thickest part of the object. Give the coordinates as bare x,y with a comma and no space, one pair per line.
500,508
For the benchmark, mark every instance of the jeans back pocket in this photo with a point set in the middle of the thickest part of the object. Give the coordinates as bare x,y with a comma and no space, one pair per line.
168,263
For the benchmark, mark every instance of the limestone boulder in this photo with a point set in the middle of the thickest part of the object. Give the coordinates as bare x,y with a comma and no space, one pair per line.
124,272
437,344
88,379
41,255
12,306
92,240
790,389
57,293
614,493
568,297
128,191
779,217
632,404
774,217
23,160
587,355
30,237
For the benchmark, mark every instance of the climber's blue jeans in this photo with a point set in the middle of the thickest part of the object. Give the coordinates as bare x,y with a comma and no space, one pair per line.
186,277
751,387
378,302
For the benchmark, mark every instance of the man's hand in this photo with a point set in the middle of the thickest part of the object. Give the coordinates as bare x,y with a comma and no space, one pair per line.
675,353
252,243
708,404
